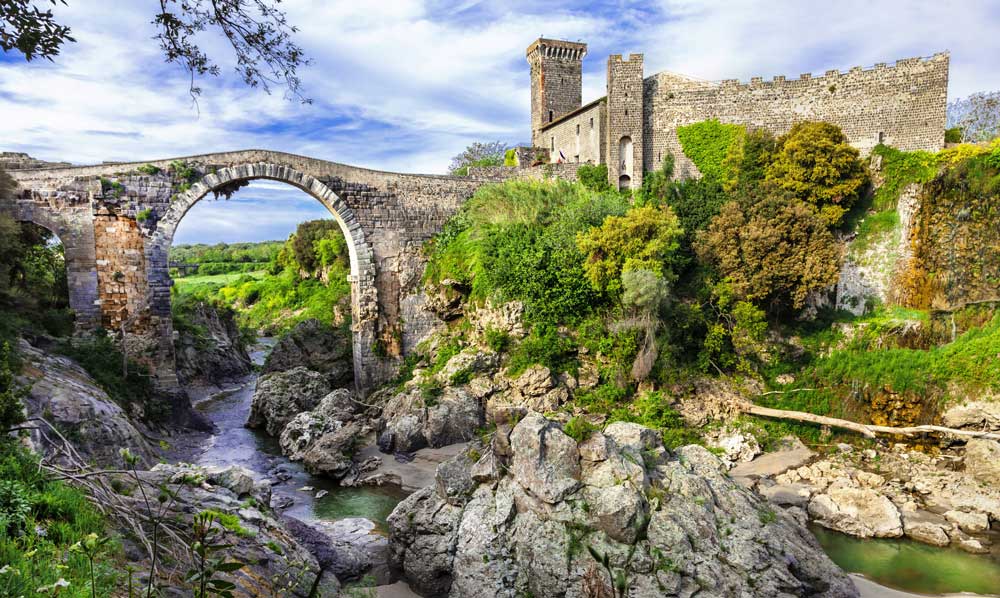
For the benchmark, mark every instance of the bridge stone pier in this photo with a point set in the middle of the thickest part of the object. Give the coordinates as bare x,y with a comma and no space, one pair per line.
117,222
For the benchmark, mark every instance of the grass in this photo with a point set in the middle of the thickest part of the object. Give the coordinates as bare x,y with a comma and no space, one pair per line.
190,284
35,546
874,229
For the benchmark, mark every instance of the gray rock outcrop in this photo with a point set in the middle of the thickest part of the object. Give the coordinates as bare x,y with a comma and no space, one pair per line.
281,396
668,524
317,346
65,395
208,348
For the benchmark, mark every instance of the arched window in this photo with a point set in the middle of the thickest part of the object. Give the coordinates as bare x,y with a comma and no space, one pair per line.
624,182
625,156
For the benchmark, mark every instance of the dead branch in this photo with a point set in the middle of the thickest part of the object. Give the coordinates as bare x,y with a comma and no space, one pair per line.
868,430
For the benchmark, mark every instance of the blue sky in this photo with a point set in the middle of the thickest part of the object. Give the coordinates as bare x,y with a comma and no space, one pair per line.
405,85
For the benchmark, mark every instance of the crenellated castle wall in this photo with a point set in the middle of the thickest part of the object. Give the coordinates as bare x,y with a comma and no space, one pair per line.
902,105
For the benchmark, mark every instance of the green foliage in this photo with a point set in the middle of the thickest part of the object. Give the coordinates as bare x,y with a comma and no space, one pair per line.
11,408
149,169
645,238
543,346
579,428
101,357
44,519
746,162
290,291
478,154
953,135
900,169
516,241
774,254
498,340
874,228
594,177
510,158
183,172
111,188
205,544
143,215
736,340
816,164
707,143
653,410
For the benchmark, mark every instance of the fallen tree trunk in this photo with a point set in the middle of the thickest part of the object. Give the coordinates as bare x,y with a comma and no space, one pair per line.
864,429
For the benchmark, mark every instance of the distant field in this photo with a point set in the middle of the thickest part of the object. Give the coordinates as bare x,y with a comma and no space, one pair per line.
188,284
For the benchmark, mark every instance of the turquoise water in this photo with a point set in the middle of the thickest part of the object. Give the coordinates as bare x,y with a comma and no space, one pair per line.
912,566
371,503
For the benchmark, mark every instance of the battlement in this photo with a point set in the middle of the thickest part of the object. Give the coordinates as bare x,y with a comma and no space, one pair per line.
938,59
617,58
556,48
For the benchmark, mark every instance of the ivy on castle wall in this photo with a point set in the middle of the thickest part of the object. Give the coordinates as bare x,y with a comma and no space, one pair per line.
706,144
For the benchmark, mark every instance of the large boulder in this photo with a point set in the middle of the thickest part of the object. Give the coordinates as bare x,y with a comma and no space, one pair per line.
306,428
858,511
413,419
982,460
281,396
671,524
209,348
317,346
65,395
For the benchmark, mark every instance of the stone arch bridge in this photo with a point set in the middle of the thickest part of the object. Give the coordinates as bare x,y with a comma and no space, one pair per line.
117,221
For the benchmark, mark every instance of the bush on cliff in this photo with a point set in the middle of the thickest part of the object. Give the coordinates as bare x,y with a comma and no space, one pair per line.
816,164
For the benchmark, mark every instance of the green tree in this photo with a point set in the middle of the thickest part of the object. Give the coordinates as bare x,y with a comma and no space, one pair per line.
307,238
816,164
256,30
11,408
492,153
645,238
774,253
737,338
747,160
594,177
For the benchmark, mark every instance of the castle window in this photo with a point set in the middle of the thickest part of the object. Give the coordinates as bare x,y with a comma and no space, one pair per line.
591,123
881,137
626,112
578,129
550,116
553,144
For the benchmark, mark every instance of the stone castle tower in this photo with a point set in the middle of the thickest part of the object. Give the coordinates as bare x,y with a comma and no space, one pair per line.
556,81
634,127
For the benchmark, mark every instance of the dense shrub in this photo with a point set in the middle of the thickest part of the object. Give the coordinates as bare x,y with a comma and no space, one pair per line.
517,241
953,135
644,238
774,253
11,408
594,177
816,164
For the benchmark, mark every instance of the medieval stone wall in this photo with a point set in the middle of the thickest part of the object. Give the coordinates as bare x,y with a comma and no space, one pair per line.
902,106
579,137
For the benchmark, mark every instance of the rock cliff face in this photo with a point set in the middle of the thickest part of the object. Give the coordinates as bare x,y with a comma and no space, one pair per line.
209,350
538,513
66,396
317,346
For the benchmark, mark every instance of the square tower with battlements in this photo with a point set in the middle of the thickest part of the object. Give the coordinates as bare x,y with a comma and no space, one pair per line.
556,81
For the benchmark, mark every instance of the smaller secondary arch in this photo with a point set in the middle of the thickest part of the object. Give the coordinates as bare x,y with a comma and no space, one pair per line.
364,301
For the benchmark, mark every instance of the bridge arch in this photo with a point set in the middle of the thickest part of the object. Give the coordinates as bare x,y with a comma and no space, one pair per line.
78,249
364,299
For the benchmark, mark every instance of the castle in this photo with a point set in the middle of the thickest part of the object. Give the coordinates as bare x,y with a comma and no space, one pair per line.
634,126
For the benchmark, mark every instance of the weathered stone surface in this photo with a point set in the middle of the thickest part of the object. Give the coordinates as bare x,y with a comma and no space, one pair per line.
978,415
282,395
211,351
546,463
982,460
861,512
970,523
65,395
737,446
453,479
926,527
317,346
331,454
471,360
306,428
699,530
356,549
411,421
